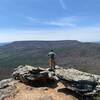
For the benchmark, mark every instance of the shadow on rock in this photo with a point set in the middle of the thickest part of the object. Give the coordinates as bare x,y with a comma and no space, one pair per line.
76,95
43,82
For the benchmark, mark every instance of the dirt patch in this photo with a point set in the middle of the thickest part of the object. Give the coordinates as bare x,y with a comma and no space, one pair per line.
26,92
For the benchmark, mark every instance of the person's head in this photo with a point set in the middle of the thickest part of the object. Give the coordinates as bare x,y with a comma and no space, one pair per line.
52,50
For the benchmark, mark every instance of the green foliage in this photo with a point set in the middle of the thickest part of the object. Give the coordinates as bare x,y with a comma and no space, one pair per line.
83,56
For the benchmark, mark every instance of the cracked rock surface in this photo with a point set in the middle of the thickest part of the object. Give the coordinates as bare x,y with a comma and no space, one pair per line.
35,83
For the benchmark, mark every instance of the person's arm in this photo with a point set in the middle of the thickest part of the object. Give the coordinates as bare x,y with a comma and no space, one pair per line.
49,54
54,53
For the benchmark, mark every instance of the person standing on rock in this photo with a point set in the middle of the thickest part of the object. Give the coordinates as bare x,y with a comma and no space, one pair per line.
52,63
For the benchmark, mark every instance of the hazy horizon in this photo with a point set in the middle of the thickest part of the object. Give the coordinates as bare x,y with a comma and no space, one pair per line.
60,20
46,40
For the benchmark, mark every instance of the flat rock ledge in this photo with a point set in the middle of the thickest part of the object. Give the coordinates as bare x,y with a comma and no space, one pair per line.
7,88
83,83
75,80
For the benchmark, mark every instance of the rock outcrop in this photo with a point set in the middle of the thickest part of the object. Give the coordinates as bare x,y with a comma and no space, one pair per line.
34,75
78,81
81,82
7,88
84,84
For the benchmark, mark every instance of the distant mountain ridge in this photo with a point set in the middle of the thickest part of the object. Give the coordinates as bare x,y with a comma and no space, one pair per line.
70,53
2,44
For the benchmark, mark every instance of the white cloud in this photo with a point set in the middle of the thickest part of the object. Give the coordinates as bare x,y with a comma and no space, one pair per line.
81,34
66,21
63,4
31,19
60,22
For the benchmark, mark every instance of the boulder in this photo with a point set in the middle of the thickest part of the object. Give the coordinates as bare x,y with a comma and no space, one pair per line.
34,75
78,81
75,80
7,88
76,75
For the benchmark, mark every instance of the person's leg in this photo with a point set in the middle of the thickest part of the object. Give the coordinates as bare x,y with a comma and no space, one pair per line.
50,63
53,64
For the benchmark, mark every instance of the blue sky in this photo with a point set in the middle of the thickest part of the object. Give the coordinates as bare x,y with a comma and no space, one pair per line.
49,20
